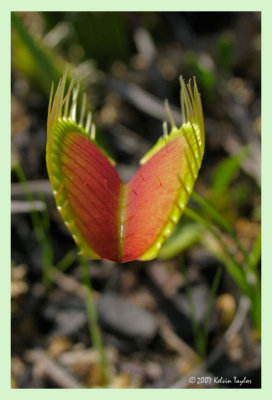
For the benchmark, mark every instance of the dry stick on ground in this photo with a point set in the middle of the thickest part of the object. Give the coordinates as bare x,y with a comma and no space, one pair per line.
24,207
69,284
175,342
233,329
38,187
52,370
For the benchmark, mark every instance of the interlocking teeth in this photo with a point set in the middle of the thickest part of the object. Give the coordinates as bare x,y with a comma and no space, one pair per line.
92,132
165,129
83,109
170,115
88,121
75,239
174,219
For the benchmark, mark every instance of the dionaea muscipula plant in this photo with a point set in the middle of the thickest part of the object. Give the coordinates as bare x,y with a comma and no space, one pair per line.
107,218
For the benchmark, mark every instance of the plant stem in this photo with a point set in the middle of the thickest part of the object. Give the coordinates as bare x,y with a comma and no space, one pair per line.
195,324
66,261
92,318
207,317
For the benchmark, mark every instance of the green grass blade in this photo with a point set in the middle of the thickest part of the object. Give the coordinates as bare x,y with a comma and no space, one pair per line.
35,58
67,261
227,169
213,213
214,288
185,238
255,254
195,324
92,317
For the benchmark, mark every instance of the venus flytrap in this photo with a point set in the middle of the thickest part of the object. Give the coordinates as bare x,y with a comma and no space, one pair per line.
107,218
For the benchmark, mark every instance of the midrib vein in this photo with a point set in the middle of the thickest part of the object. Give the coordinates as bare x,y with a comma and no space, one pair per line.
121,218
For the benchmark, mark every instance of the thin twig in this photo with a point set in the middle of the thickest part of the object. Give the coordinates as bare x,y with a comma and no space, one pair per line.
52,369
175,342
22,207
38,187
